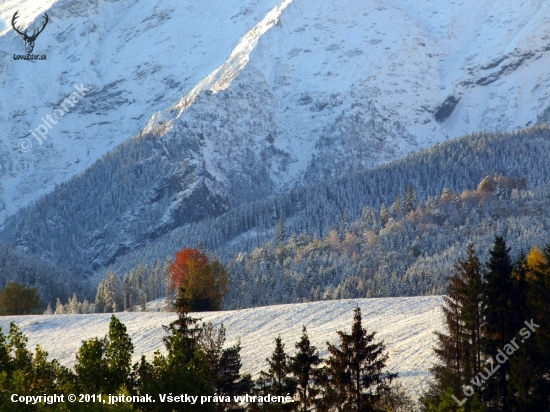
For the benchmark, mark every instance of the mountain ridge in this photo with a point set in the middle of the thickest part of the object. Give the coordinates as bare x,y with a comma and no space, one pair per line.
310,90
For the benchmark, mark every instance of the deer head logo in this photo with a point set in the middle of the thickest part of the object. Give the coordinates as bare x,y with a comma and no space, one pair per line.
29,40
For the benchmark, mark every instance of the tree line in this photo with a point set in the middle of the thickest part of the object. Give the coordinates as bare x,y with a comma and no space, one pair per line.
77,238
197,363
203,278
494,354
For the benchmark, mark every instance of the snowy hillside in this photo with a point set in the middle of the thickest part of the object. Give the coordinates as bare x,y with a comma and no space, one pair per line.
136,57
405,324
300,89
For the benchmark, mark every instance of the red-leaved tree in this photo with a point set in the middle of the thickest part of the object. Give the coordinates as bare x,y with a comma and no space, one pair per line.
186,261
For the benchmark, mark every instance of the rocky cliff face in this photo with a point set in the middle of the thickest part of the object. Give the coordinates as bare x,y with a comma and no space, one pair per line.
255,95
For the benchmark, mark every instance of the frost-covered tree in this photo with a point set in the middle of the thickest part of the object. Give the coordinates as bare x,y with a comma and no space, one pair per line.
280,231
109,297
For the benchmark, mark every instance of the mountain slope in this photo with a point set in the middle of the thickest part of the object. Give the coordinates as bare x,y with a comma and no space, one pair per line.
305,89
136,203
136,57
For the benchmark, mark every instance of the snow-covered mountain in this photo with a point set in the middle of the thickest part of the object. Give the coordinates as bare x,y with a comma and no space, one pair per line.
406,325
271,93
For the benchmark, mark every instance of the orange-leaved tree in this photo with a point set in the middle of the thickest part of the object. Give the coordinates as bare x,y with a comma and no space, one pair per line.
200,284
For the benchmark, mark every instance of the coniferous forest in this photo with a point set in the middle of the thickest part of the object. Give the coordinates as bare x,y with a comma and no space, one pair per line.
391,231
406,248
493,355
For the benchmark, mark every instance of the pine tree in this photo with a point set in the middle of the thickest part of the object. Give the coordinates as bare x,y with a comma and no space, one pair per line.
184,331
184,370
211,341
160,279
469,272
72,305
368,217
357,370
521,391
48,310
225,366
449,349
396,208
127,292
343,227
99,302
86,307
228,381
59,308
110,296
530,367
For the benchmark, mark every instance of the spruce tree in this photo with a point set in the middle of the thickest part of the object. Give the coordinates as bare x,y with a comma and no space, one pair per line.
529,371
184,370
459,351
110,296
225,366
304,367
449,373
184,331
499,326
59,308
469,276
357,370
520,375
277,380
410,199
228,379
280,231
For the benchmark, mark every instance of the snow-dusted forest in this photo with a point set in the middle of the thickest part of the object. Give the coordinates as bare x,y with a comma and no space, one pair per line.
394,230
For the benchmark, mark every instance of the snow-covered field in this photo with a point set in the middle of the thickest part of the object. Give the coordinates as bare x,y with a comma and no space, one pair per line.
405,324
